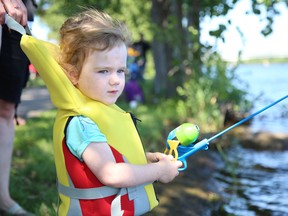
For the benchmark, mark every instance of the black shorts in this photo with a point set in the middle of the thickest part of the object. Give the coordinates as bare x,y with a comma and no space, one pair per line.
14,72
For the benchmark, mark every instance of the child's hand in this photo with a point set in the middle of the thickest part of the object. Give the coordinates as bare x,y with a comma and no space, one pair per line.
154,157
169,168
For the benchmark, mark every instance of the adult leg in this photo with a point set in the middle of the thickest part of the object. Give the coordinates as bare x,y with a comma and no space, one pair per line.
7,111
13,76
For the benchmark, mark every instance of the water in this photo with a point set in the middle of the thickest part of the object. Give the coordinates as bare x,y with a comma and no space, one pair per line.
255,182
258,183
266,84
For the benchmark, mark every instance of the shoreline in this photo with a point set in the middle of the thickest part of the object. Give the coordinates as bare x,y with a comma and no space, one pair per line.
196,191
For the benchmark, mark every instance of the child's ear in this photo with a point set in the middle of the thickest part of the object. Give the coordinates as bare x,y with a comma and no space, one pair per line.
74,77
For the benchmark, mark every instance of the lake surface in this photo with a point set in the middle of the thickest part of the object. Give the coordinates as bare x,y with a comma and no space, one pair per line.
266,84
255,183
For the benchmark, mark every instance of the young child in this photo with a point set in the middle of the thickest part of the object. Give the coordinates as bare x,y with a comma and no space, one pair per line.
101,165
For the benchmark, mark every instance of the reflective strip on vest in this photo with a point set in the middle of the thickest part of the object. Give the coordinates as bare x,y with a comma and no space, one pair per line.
99,192
89,193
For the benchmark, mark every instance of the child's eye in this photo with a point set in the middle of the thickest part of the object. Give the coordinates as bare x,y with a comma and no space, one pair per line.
103,71
122,71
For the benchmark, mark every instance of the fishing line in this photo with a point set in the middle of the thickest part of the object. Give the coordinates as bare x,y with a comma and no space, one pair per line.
246,119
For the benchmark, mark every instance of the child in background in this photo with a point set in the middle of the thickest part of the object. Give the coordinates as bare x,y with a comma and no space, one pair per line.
133,93
102,168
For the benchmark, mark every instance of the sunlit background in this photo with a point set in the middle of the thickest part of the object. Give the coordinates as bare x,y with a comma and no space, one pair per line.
255,45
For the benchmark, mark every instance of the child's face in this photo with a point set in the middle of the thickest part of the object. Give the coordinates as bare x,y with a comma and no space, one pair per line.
102,77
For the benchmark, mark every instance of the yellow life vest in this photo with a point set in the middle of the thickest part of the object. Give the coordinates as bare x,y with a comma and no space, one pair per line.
115,123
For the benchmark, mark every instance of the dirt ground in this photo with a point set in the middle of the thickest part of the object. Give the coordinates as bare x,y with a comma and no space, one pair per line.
195,192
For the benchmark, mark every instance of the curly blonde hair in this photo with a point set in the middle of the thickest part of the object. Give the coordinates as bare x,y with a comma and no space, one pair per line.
88,31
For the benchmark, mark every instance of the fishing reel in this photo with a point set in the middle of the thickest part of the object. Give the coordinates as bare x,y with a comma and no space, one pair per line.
181,143
181,138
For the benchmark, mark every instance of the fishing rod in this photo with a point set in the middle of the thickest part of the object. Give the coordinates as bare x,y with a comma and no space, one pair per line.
180,140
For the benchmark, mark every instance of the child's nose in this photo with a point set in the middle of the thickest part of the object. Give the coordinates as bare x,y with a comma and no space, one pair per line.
114,79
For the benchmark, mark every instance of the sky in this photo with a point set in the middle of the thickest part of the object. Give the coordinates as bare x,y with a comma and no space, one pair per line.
255,45
39,29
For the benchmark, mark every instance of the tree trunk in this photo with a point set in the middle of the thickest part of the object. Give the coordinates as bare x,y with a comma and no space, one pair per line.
195,52
159,14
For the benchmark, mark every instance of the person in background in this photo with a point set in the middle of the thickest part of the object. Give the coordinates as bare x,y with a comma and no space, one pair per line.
133,93
13,77
32,71
142,46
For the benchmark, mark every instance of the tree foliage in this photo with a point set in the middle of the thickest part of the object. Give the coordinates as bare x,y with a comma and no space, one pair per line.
184,67
177,33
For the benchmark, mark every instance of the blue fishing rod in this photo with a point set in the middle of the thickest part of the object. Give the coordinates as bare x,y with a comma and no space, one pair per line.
246,119
180,140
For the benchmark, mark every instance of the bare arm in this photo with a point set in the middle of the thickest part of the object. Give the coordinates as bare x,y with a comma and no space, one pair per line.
100,161
15,8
